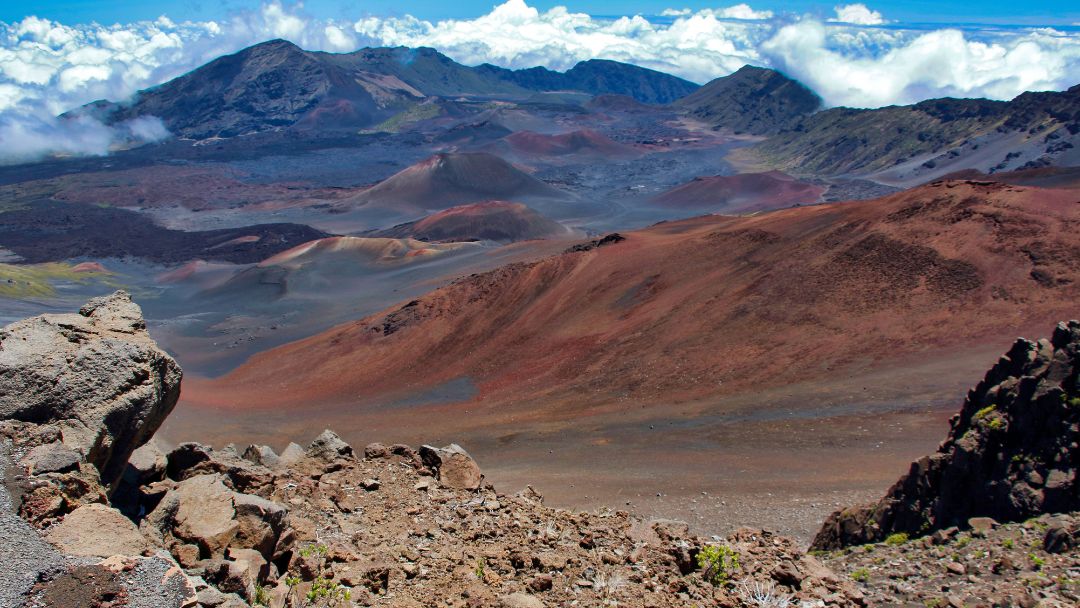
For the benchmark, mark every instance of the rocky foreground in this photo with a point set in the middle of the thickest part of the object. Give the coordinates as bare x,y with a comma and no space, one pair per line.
94,513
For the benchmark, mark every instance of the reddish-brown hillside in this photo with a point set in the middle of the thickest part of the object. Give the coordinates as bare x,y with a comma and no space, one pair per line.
488,221
704,307
446,180
741,193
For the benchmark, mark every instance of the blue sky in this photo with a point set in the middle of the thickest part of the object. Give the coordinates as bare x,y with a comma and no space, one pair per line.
1039,12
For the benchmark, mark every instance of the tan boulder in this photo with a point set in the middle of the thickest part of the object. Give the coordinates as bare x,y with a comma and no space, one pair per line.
204,513
202,510
520,600
453,466
97,530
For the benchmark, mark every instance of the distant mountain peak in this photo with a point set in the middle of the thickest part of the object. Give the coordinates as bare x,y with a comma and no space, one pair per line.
755,100
600,77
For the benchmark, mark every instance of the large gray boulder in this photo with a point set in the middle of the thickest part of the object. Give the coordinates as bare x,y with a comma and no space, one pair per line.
96,375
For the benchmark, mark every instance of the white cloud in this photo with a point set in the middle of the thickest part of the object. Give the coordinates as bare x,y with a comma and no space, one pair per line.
738,11
742,11
857,14
25,138
925,65
48,67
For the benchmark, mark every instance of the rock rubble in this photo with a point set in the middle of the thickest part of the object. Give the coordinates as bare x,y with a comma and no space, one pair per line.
327,525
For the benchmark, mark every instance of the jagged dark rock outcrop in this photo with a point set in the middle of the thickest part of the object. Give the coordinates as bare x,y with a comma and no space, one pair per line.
1013,452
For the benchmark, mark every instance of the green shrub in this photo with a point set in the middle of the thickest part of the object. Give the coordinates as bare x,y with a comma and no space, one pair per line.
325,591
896,539
718,563
261,596
984,412
320,550
1036,561
860,575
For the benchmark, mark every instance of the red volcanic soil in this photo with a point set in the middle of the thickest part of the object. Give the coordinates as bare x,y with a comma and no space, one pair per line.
489,221
358,249
450,179
578,143
741,193
701,308
89,267
181,273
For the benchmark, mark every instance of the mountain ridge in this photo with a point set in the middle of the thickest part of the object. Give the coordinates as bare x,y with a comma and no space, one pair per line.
933,137
276,84
753,100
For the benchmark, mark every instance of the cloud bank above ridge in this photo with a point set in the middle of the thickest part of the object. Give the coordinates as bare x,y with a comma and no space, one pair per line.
856,58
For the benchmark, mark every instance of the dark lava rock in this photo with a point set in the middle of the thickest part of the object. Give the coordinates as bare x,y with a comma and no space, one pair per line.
1013,452
609,239
49,231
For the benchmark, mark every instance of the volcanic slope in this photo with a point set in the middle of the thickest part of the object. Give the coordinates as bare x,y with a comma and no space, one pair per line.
705,307
904,144
270,85
450,179
487,221
740,193
599,76
324,263
752,100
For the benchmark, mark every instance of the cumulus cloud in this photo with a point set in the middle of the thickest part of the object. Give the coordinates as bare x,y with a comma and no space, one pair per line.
856,58
738,11
857,14
848,64
25,138
929,64
742,11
